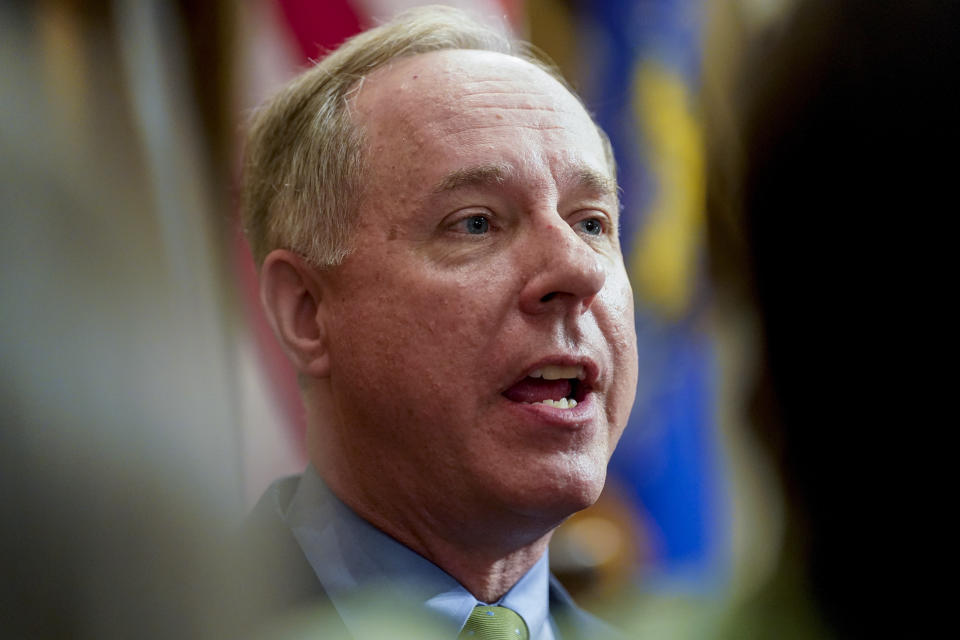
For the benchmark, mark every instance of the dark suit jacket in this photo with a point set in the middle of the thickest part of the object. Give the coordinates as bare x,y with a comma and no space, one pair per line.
286,581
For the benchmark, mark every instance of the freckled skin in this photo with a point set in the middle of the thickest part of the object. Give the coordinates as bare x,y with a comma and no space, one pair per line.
427,323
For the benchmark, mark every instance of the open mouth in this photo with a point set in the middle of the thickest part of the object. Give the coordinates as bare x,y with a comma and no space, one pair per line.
557,386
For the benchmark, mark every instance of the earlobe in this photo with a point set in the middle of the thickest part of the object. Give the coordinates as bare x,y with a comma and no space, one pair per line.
291,293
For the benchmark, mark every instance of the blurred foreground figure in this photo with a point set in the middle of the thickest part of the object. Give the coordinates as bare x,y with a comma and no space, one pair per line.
118,466
434,216
826,173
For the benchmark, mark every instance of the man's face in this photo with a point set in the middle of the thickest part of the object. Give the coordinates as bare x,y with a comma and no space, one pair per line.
486,256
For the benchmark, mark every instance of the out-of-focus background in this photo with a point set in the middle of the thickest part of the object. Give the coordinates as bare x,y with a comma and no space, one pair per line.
146,406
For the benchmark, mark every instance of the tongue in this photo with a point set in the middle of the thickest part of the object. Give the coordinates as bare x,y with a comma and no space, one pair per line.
538,390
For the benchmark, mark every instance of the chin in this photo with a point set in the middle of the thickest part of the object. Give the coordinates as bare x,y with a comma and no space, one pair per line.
556,494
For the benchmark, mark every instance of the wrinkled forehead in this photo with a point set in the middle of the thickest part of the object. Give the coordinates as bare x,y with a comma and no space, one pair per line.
444,93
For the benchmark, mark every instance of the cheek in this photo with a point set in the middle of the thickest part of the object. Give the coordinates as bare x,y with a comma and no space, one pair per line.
420,333
622,339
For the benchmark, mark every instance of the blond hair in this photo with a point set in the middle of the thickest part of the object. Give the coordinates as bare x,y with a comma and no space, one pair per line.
304,157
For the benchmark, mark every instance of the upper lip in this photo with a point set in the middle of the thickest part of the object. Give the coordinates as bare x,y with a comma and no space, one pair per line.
590,369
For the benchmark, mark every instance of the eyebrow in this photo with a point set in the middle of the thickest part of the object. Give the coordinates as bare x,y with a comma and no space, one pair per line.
602,184
497,173
479,176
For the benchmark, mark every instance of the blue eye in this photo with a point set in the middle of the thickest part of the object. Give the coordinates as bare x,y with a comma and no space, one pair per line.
476,225
591,226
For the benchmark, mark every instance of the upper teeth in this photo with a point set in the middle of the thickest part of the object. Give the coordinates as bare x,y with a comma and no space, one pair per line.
562,403
556,372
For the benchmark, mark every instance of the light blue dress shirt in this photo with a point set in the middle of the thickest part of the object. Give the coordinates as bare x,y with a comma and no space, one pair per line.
354,559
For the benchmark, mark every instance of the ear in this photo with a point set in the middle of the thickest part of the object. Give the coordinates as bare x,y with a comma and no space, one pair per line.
291,293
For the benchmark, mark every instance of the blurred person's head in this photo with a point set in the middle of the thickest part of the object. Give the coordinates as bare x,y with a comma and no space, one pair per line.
823,171
436,218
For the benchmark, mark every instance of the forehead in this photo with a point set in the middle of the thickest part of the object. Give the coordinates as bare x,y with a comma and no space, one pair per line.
456,103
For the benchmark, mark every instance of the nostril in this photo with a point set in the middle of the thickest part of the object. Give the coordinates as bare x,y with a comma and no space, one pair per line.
548,297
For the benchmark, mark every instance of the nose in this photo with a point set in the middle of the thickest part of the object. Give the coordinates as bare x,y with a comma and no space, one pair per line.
566,273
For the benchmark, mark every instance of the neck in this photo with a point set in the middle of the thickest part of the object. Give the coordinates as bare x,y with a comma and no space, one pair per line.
486,574
485,553
486,546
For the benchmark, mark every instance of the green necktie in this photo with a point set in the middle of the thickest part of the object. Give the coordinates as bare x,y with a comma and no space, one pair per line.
494,623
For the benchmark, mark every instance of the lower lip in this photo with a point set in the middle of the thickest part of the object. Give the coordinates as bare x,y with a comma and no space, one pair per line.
574,417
